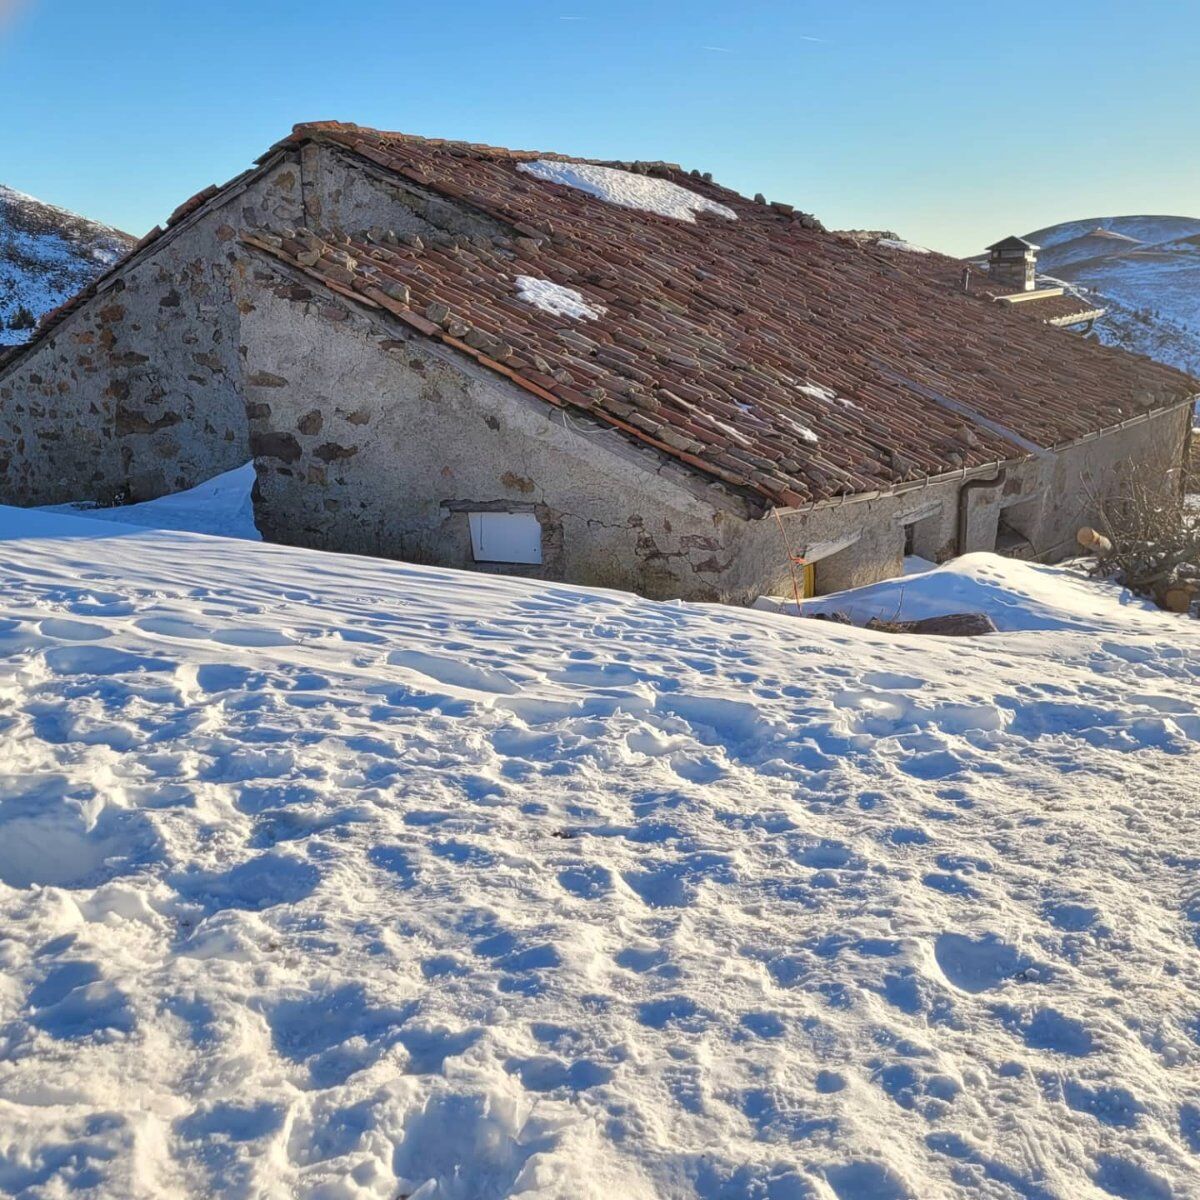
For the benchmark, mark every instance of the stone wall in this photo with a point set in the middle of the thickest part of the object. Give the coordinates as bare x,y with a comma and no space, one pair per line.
374,443
139,391
1079,475
1045,499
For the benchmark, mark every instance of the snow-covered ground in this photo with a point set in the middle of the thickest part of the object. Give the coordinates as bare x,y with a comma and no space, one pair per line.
323,876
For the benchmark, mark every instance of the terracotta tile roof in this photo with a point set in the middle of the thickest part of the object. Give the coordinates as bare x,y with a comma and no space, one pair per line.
728,344
725,344
1051,306
1065,308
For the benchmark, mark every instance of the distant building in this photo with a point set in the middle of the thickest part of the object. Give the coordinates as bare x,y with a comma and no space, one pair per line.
1012,279
613,373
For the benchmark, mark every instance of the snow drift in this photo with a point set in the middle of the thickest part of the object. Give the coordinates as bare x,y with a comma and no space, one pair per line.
323,876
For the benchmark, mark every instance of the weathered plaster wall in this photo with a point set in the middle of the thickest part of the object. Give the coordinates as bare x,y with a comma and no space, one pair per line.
379,445
139,392
877,523
1078,476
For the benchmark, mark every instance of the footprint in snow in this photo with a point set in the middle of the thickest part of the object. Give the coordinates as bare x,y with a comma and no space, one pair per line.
678,1011
225,1121
1129,1181
891,681
977,964
1048,1029
454,672
1113,1106
74,1001
65,630
864,1180
1071,917
586,882
596,674
939,764
85,659
253,885
55,841
546,1074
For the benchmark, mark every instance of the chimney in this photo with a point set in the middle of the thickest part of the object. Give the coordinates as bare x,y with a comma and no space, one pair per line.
1013,263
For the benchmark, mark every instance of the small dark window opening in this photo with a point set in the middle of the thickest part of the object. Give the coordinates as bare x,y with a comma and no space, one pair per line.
1015,526
922,535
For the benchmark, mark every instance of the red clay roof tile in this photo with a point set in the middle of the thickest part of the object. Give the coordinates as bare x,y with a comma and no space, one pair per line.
713,329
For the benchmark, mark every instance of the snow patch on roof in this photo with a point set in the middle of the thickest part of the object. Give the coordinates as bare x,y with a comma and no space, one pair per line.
800,430
628,190
826,395
901,244
555,298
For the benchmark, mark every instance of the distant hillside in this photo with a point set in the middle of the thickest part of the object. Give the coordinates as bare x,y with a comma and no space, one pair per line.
1144,269
46,255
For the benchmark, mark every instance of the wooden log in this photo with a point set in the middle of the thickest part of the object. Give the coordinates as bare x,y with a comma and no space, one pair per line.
1094,542
968,624
1179,598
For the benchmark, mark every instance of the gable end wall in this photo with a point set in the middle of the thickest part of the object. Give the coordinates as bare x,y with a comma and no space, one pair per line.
139,392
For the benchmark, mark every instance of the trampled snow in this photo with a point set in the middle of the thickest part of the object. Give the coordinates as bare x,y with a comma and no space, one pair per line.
645,192
323,876
556,298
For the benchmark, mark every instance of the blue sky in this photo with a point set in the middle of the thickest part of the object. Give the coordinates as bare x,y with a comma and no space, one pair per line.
951,121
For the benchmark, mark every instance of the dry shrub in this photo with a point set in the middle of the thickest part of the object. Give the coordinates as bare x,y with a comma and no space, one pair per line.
1154,533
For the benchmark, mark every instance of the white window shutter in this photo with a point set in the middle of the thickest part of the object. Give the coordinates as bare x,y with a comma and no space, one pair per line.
506,537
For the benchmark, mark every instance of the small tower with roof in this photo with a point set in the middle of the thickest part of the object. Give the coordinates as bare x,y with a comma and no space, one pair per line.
1013,263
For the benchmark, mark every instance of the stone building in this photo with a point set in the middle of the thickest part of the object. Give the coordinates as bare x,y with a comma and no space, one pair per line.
617,374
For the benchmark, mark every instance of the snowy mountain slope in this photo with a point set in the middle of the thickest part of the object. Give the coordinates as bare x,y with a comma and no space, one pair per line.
1147,229
46,255
323,876
1145,269
1096,243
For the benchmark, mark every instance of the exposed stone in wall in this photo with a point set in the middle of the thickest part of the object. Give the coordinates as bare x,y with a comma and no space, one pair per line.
410,441
139,392
369,440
